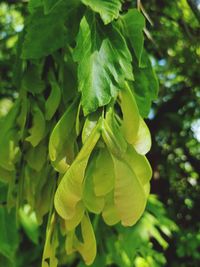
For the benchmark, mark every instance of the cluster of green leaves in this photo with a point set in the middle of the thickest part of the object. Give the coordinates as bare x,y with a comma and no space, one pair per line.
73,145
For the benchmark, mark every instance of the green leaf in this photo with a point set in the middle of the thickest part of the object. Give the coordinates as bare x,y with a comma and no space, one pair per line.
72,223
61,145
108,10
92,202
110,213
133,126
142,142
9,234
5,106
104,63
134,24
49,258
29,223
49,5
131,117
33,4
147,188
53,101
9,150
139,164
87,248
37,156
5,175
41,30
43,192
129,195
145,86
69,191
9,139
37,131
89,125
32,81
8,121
112,135
103,174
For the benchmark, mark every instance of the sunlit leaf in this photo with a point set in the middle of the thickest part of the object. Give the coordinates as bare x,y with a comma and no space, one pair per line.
70,189
112,135
76,219
61,141
87,247
103,175
29,223
142,142
89,125
139,164
92,202
131,117
110,213
108,10
129,196
104,60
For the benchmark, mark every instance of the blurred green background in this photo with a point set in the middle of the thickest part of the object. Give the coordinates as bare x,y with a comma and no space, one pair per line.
169,232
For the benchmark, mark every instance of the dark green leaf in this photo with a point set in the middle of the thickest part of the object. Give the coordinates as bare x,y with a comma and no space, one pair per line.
9,234
134,23
145,86
45,33
32,81
49,5
33,4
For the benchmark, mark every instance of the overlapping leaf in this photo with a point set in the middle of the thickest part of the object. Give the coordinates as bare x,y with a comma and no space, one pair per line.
108,10
104,61
87,248
37,131
145,85
69,191
53,100
39,33
134,24
131,117
9,234
92,202
129,195
61,147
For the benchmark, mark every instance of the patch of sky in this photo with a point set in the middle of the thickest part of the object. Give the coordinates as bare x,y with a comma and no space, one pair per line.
162,62
195,127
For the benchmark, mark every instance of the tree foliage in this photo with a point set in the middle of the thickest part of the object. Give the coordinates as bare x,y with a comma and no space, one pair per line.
81,83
